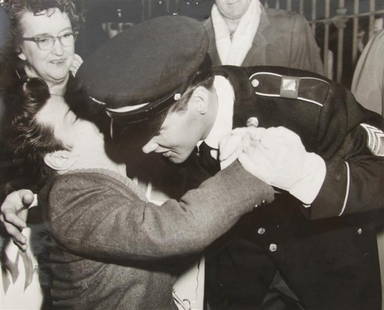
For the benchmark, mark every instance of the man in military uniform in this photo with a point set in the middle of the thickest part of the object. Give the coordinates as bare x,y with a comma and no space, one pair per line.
314,236
330,263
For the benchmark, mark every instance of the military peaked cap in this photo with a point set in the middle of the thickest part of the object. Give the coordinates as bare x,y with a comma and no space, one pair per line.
144,69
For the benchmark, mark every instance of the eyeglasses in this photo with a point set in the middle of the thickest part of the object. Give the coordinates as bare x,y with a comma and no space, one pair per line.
46,42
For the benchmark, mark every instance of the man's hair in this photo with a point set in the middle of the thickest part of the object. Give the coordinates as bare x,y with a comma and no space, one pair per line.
26,138
203,77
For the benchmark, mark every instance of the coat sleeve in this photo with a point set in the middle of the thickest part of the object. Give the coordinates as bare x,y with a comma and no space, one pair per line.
355,167
104,220
304,51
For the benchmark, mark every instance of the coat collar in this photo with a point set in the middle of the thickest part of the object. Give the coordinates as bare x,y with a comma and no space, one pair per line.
258,44
258,50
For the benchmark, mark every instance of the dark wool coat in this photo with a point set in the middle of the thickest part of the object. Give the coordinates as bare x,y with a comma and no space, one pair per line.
113,250
282,39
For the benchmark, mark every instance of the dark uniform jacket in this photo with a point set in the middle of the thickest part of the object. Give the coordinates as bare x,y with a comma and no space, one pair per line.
327,253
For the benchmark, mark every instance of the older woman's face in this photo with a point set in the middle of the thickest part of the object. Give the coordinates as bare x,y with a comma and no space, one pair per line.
232,9
53,64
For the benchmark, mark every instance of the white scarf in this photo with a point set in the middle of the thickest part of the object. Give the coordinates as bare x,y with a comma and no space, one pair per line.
233,52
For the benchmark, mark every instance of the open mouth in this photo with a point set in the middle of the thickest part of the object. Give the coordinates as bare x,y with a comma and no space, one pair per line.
58,61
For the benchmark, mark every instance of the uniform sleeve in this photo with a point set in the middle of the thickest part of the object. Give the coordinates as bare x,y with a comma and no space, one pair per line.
354,179
304,51
103,220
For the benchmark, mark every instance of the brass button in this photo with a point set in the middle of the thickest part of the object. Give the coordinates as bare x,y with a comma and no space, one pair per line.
252,121
261,231
273,247
255,83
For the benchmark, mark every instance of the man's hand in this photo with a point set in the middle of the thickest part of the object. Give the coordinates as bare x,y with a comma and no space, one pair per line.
278,157
234,144
13,215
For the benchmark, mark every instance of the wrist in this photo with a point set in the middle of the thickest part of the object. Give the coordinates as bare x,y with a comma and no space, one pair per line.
312,177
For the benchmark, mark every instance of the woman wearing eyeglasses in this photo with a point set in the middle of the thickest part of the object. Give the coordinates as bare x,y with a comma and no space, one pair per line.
44,40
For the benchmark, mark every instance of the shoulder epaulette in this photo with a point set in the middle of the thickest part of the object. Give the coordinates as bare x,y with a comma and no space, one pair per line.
309,89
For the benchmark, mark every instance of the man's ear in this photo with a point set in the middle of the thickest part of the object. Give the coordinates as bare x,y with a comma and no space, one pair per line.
59,160
200,100
21,54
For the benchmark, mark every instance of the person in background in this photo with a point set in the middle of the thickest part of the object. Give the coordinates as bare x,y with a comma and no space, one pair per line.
368,88
43,38
243,33
368,78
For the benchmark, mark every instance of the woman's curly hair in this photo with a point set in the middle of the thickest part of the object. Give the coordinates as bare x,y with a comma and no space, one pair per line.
25,137
16,9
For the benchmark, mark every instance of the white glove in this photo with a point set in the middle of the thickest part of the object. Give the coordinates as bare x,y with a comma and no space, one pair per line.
278,157
232,145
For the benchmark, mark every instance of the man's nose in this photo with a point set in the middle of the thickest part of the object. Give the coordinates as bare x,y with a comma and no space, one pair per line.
150,147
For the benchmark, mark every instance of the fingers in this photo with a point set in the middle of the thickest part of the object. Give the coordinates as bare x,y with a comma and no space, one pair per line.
18,238
15,219
238,140
14,214
27,197
281,136
229,146
259,168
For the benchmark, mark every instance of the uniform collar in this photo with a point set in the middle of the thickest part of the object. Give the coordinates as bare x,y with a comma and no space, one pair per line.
223,122
238,78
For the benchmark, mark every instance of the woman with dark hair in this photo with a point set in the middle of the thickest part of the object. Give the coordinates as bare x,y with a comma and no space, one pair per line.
40,44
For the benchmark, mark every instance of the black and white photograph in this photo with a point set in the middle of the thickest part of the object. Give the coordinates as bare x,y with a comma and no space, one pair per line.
192,154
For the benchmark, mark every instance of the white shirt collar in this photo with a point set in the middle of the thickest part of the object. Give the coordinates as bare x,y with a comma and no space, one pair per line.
224,118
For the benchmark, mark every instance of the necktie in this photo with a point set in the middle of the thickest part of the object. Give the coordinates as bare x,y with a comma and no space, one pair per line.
206,160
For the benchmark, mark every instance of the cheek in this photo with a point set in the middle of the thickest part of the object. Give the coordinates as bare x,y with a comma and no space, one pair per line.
70,51
34,57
